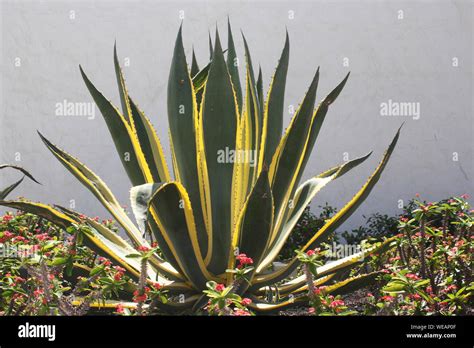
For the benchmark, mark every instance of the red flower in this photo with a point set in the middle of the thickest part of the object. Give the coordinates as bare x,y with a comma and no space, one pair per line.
244,260
412,276
119,269
7,218
311,310
465,196
414,297
219,287
246,301
118,276
450,288
43,236
38,292
119,309
241,312
19,280
310,252
370,294
143,248
336,303
387,298
157,286
139,298
105,261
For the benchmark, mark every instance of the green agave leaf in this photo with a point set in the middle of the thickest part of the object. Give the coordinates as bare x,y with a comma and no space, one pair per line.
150,144
303,196
164,267
333,268
125,141
219,126
261,102
6,191
253,231
171,209
352,284
93,239
252,108
124,99
183,118
286,162
142,129
92,182
200,78
263,307
42,210
319,117
232,65
194,65
24,171
273,112
335,221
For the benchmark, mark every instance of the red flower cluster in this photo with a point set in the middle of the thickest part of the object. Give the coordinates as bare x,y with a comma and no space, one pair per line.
387,298
244,260
143,248
105,261
7,218
246,301
137,297
119,309
6,235
412,276
336,303
241,313
219,287
120,272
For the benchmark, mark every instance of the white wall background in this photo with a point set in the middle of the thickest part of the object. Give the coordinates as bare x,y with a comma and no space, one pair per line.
408,60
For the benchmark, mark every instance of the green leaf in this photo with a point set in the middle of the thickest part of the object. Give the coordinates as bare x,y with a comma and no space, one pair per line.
96,270
254,228
333,223
59,261
6,191
174,216
183,118
273,111
125,142
232,66
219,127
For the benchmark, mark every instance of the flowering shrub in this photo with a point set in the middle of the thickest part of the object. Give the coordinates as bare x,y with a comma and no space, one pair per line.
430,271
223,301
46,270
323,304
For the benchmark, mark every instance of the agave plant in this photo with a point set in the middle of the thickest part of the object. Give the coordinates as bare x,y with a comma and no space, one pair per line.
235,184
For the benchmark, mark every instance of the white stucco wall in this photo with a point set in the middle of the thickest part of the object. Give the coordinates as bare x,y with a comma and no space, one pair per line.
403,60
